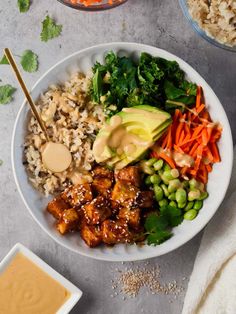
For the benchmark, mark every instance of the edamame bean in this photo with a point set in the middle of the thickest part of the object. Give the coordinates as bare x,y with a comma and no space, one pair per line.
151,162
170,174
194,195
173,204
181,196
172,197
182,205
146,169
165,190
203,196
158,165
148,180
194,184
155,179
174,185
198,205
163,202
174,173
189,206
159,194
190,215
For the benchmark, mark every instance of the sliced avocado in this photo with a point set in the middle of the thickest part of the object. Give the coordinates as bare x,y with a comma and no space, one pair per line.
145,122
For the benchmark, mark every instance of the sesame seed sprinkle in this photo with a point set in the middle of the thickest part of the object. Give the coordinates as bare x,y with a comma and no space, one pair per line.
129,282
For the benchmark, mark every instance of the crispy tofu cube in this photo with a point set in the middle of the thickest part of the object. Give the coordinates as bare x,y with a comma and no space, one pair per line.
69,221
56,207
78,195
131,215
125,193
97,211
145,199
102,186
91,235
130,174
115,232
103,172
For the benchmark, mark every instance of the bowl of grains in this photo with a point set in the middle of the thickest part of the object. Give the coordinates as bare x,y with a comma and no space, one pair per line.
214,20
92,5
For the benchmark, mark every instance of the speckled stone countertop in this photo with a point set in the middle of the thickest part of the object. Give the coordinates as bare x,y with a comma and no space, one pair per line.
155,22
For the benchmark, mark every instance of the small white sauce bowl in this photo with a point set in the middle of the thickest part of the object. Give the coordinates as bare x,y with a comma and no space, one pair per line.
74,291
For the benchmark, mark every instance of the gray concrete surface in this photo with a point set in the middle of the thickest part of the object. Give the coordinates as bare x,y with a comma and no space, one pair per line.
155,22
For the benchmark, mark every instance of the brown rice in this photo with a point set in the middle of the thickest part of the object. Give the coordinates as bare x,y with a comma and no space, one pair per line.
217,18
72,119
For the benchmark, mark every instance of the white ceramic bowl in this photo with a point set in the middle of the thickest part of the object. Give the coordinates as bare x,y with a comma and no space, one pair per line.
35,202
74,291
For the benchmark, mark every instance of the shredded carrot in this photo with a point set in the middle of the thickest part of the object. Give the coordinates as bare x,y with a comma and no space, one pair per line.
192,133
167,159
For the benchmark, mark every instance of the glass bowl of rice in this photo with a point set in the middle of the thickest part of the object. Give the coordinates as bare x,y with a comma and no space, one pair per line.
213,21
92,5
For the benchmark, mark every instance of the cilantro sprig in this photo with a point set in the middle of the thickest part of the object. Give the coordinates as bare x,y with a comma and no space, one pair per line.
6,92
23,5
4,60
158,226
29,61
50,29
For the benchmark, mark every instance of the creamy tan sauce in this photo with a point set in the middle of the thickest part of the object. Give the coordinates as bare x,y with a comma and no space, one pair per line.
26,289
117,138
180,159
56,157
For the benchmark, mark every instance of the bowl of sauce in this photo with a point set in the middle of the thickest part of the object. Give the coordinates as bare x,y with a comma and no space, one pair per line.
29,285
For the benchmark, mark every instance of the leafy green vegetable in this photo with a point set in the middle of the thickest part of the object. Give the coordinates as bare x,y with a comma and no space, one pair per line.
29,61
50,29
4,60
152,81
23,5
158,226
6,92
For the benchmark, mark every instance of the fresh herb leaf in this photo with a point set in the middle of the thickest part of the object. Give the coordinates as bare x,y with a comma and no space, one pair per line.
29,61
158,237
23,5
152,81
172,214
50,29
155,222
4,60
185,94
1,162
6,92
157,226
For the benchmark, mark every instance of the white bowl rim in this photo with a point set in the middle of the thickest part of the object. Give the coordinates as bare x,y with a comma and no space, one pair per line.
120,258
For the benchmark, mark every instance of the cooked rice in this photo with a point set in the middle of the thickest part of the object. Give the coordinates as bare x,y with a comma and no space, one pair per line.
71,118
217,18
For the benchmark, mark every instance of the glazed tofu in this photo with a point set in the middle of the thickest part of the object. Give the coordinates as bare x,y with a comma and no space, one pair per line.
115,232
69,221
131,216
102,186
125,193
129,174
102,172
91,235
56,207
97,211
145,199
78,195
